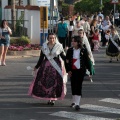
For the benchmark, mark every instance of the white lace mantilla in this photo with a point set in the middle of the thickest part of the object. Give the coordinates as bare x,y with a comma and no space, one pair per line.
50,55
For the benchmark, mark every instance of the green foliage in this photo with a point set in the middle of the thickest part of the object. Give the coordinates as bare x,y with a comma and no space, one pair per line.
13,41
65,9
23,40
87,5
93,6
19,23
64,5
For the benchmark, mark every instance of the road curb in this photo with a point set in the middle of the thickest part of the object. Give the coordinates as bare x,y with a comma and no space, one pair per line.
19,54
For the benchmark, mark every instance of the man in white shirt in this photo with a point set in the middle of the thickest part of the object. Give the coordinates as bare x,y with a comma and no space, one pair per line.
101,15
86,26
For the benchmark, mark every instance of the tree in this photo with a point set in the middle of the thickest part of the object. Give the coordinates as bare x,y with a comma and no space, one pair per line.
93,6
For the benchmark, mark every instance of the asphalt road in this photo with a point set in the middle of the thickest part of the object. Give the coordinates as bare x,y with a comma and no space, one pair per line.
100,100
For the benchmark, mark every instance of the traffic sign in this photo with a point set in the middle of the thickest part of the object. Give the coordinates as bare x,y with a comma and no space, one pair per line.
44,17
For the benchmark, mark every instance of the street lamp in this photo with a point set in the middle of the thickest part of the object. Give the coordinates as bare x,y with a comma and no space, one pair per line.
101,2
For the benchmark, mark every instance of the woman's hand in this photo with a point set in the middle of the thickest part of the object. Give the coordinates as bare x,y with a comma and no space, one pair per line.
69,73
35,68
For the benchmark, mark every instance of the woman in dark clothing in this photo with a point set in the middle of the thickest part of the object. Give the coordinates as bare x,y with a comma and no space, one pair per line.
77,60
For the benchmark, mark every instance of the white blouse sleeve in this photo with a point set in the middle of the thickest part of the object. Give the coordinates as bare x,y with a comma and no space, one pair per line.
9,29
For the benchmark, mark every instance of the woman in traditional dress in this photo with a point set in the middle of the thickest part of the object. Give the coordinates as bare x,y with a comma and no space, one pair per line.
77,60
113,49
48,83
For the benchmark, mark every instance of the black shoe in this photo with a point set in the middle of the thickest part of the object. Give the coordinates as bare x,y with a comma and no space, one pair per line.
117,60
51,102
77,107
72,105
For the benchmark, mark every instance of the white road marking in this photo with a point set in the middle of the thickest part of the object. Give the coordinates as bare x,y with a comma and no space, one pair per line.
101,108
111,100
77,116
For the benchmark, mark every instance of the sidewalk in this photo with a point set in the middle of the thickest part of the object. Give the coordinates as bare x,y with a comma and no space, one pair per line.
20,54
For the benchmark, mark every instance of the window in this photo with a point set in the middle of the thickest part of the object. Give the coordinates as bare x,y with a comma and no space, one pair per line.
0,3
9,2
28,2
17,2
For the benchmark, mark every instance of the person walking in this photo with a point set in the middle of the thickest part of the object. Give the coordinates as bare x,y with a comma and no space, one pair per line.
77,60
76,28
5,33
96,40
86,26
113,49
49,82
93,26
70,28
62,32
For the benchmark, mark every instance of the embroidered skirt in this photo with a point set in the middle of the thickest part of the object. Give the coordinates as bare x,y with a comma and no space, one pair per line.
112,50
48,83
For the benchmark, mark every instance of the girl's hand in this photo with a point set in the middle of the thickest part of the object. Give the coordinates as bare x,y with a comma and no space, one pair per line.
69,73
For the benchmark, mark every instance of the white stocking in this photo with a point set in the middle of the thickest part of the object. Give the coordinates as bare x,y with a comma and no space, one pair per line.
73,98
77,99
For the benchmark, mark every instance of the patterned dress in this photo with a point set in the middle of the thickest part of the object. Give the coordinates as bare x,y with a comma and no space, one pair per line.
48,83
112,50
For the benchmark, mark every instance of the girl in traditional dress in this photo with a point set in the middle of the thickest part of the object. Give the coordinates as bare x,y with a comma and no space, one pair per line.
77,60
113,49
48,83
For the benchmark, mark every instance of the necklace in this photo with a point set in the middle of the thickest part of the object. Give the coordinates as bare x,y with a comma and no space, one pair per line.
51,48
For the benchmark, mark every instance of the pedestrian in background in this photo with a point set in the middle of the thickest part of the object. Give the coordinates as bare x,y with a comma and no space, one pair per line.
86,26
93,26
5,33
62,32
76,28
70,28
96,39
77,60
113,48
48,83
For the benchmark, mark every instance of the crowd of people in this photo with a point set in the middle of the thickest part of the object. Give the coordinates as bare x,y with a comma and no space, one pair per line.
97,29
81,36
